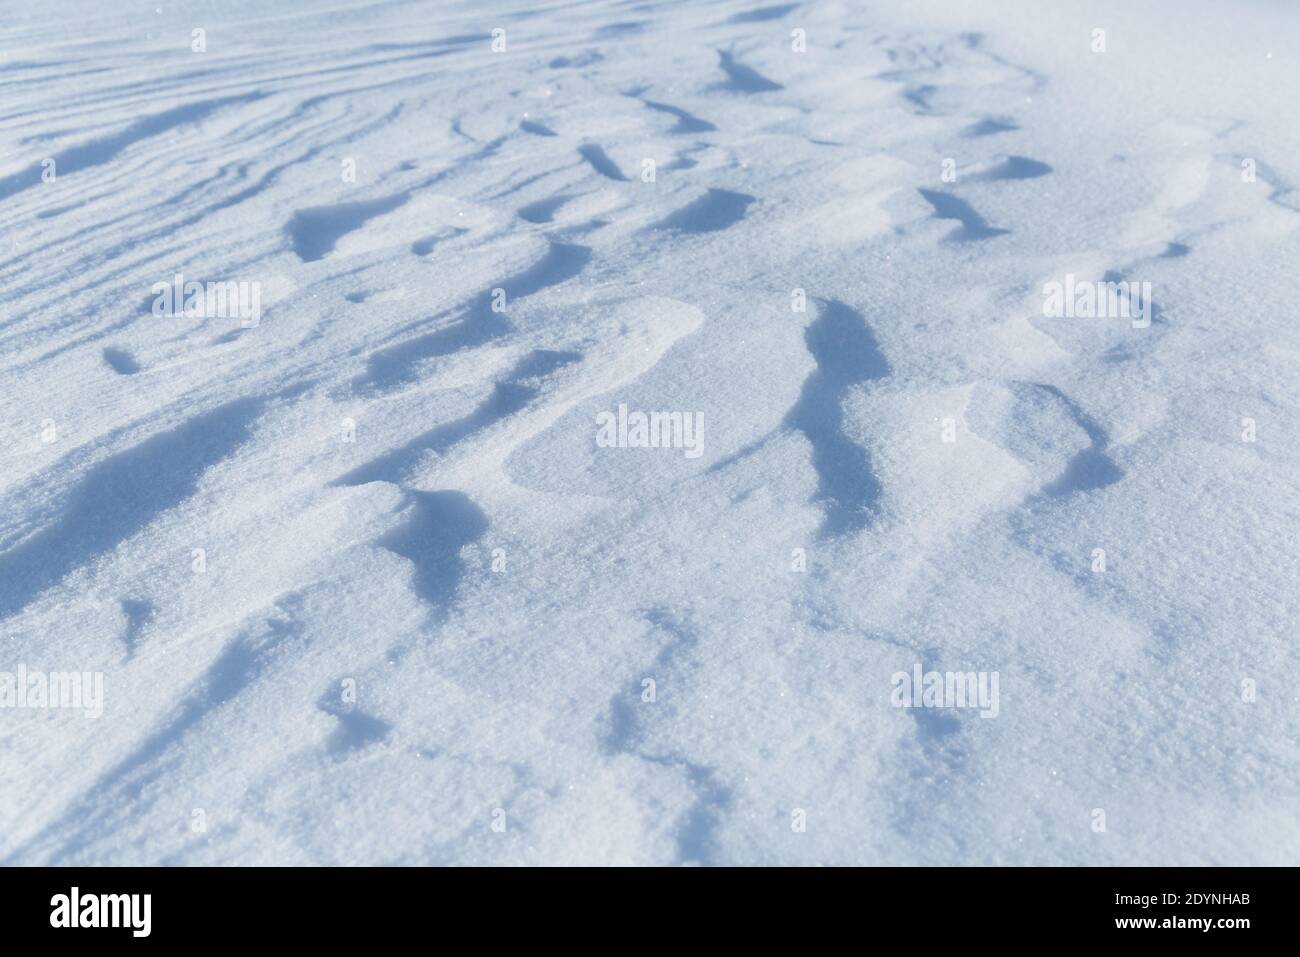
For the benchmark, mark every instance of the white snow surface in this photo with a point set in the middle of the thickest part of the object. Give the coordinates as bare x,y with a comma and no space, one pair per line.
395,642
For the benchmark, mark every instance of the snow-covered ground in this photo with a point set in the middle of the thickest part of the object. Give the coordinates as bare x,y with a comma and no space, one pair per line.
369,578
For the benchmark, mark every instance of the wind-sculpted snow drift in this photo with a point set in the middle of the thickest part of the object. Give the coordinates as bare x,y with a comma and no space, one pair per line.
366,583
